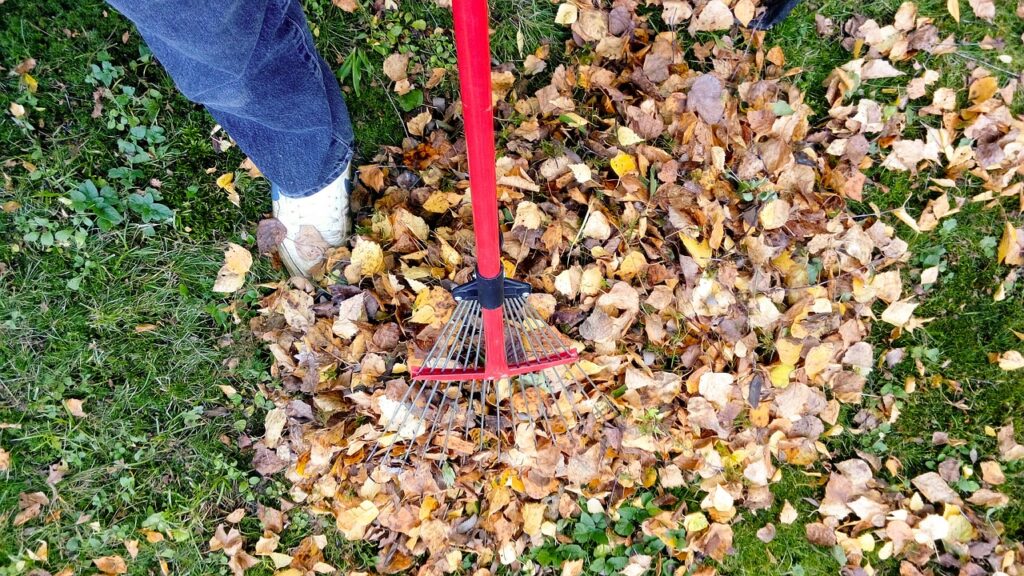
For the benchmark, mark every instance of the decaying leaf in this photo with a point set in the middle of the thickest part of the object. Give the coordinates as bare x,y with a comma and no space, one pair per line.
269,234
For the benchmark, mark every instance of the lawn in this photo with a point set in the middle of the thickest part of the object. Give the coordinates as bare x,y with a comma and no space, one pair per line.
108,301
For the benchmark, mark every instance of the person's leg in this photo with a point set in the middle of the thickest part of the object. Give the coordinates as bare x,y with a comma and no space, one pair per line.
254,66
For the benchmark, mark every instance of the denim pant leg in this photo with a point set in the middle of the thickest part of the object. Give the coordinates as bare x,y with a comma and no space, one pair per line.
253,64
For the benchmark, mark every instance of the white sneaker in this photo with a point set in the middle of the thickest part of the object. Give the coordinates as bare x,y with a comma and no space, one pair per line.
314,224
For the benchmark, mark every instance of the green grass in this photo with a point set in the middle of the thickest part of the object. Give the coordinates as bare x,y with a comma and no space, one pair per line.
157,447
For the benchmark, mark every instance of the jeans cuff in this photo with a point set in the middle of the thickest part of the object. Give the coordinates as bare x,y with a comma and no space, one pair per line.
340,166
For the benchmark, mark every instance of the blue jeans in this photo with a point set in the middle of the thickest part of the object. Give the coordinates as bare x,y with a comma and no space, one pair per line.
253,65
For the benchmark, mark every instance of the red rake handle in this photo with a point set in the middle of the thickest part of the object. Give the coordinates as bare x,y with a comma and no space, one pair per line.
474,55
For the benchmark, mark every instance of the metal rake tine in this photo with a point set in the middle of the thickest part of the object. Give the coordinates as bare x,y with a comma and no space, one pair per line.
423,387
461,357
451,357
566,392
433,426
498,412
572,404
451,420
445,334
485,385
470,416
561,345
557,342
483,395
544,338
522,387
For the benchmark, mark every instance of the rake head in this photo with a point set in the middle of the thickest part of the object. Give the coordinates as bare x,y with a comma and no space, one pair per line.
490,371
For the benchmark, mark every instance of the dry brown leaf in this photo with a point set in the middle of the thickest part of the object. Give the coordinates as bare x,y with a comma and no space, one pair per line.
132,546
714,16
74,406
567,14
231,276
984,9
351,312
934,488
788,514
346,5
1011,360
111,565
706,95
396,66
774,214
30,505
596,226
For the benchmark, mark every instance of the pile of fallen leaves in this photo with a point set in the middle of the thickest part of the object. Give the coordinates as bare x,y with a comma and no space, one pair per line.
681,213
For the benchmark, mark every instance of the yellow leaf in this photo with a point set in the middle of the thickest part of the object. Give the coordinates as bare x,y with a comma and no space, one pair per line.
789,350
237,261
567,14
779,375
623,164
983,88
533,516
431,306
627,137
901,213
695,522
699,251
439,202
226,181
632,264
774,214
30,82
818,359
353,521
1007,252
449,255
415,224
591,281
954,9
367,259
899,312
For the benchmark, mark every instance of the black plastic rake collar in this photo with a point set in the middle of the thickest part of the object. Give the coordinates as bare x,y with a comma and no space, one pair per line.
491,293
